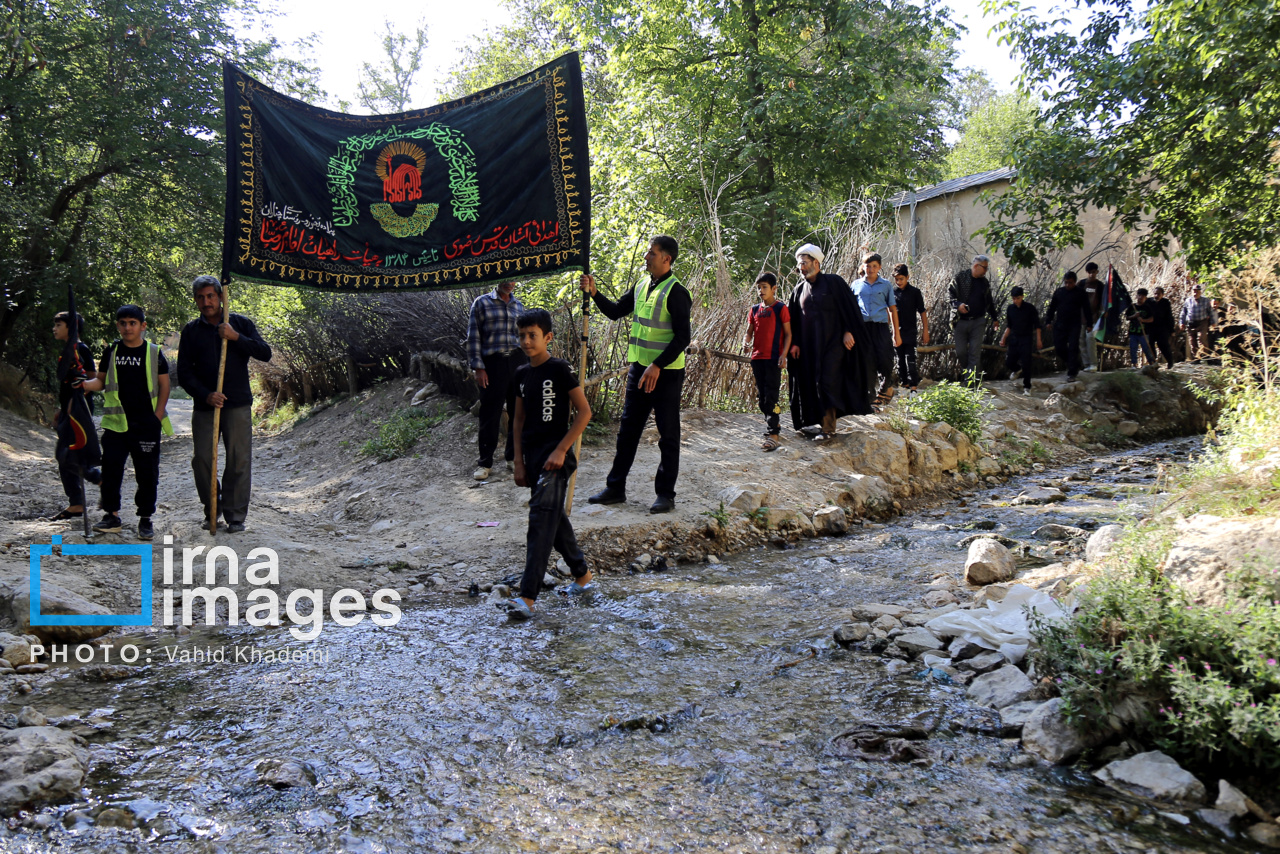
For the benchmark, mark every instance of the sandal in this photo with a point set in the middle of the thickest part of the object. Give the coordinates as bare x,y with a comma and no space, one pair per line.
770,443
66,514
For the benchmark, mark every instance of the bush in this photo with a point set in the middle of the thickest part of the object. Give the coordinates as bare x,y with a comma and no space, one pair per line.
955,403
399,433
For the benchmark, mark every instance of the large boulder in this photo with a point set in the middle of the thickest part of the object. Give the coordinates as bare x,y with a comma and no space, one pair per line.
1001,688
864,495
57,600
925,465
879,451
1101,542
1047,734
830,521
1059,402
1153,775
1040,495
14,649
919,640
988,562
748,498
948,456
1209,549
39,763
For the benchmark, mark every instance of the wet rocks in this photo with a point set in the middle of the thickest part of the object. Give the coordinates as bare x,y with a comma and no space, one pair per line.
285,773
868,613
1058,532
1267,834
31,717
15,650
39,763
1002,687
886,623
1014,717
1209,549
1128,428
1236,802
1153,775
919,640
1047,734
988,562
851,633
1039,495
1101,542
55,600
865,495
107,672
830,521
982,663
939,598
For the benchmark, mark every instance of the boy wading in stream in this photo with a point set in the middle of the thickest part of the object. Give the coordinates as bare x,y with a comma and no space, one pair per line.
545,389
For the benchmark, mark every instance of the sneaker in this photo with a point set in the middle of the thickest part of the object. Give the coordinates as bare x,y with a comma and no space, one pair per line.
517,609
145,531
1088,369
1026,392
110,524
235,527
608,495
93,474
1071,378
576,589
481,473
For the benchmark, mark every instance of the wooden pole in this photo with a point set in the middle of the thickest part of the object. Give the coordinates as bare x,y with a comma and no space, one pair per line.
582,373
217,416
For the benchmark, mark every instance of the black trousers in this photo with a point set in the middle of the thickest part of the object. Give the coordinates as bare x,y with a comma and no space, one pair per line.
68,469
1066,345
1160,343
664,403
142,444
768,376
908,373
501,392
882,349
1020,354
549,527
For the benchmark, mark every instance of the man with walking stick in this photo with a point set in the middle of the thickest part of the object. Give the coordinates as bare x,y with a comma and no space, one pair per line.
213,367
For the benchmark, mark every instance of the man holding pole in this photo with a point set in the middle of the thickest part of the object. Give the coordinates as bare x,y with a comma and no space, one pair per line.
213,367
660,332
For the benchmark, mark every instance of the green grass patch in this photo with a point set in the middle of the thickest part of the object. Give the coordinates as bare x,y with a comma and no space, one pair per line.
960,405
399,433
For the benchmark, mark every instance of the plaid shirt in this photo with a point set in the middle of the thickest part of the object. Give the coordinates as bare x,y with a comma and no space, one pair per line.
1195,310
492,327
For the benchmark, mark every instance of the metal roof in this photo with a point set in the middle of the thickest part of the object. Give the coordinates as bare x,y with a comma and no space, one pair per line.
955,185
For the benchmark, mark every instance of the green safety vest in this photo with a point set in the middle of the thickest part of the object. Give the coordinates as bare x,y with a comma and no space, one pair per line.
651,329
113,417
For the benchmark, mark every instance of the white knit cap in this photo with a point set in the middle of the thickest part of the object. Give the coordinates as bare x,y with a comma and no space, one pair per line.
812,251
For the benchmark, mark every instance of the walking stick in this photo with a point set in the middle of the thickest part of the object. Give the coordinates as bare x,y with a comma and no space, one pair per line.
582,374
217,417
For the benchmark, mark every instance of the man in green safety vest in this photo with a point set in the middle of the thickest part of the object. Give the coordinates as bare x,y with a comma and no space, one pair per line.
659,335
134,379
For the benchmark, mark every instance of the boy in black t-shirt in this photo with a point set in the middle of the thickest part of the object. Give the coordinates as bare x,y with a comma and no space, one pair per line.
73,377
134,378
544,459
910,306
1141,317
1022,335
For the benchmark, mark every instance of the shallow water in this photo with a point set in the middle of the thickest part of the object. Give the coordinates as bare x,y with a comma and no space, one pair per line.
691,710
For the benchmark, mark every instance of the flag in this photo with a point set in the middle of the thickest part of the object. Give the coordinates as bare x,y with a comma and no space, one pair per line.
488,187
1115,299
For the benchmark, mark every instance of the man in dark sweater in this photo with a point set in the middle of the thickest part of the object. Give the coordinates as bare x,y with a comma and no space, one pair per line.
1068,310
971,305
1022,336
1162,327
660,333
199,352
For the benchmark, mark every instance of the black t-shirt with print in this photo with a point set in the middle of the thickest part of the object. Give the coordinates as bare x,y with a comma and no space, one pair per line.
131,375
544,390
1136,313
66,390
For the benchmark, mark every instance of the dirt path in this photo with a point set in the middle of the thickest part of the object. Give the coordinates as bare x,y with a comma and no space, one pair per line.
339,519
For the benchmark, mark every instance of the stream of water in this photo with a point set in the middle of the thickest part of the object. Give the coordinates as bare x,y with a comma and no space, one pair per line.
655,717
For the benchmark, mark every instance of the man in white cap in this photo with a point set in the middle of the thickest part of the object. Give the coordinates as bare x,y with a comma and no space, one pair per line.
832,372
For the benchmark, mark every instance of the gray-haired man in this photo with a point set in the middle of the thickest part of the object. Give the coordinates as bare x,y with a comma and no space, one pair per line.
971,305
199,354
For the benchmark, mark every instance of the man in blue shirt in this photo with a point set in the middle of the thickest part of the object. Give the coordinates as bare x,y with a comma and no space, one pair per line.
880,315
493,351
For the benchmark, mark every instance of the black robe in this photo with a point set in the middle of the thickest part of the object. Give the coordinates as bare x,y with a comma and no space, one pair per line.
827,375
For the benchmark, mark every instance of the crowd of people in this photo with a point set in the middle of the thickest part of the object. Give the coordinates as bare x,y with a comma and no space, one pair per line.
133,377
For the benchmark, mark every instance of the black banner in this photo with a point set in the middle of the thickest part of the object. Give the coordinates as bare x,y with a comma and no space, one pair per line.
493,186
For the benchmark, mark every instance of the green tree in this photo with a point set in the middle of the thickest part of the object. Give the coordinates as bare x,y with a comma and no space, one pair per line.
1167,113
991,134
387,88
111,147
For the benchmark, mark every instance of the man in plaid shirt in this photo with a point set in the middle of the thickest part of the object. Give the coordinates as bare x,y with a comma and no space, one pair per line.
1195,319
494,353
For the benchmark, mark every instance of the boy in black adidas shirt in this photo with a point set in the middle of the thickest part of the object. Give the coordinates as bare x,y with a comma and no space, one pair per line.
545,389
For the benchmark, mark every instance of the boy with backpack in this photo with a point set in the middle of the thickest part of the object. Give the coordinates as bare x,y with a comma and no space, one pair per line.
544,459
133,376
769,337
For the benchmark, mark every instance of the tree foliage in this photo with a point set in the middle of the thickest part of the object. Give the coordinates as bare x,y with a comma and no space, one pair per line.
387,88
991,134
112,156
1167,113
